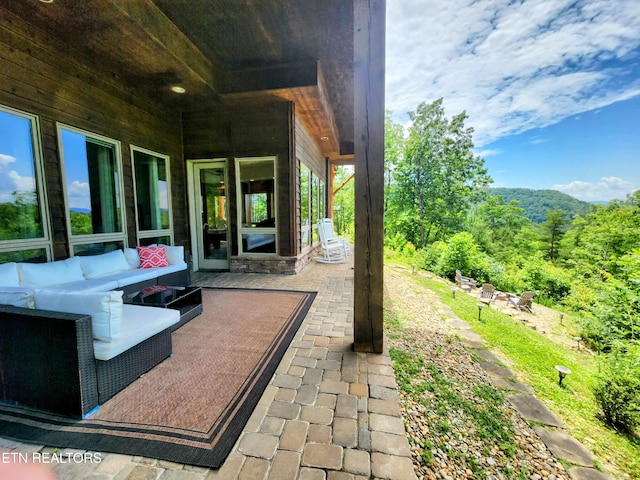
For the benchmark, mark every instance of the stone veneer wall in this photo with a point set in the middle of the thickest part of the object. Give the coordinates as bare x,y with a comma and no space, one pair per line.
274,265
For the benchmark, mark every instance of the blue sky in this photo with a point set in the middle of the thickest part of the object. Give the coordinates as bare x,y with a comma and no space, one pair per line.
551,87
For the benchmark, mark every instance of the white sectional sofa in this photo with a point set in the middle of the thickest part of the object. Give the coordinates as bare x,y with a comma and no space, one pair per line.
123,341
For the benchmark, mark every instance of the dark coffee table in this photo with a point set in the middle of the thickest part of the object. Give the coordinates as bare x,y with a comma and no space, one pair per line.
188,300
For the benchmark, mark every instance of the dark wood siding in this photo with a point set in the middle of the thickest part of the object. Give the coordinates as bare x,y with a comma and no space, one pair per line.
46,78
242,130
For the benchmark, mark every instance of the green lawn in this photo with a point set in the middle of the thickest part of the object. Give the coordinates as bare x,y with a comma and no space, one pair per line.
533,358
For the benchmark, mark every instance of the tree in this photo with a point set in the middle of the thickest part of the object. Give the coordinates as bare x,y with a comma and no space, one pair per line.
393,145
552,231
438,177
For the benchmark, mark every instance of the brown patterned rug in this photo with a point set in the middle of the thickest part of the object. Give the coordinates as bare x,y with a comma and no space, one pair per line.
192,407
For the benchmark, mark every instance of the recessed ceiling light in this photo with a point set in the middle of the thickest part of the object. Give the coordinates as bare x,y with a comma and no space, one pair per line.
46,1
324,139
178,89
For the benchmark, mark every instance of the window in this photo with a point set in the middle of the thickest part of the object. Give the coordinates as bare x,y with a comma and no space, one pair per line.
153,196
256,205
311,205
305,207
24,231
93,190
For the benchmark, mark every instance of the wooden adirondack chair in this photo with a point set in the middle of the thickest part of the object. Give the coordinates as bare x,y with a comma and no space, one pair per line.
462,281
488,293
523,302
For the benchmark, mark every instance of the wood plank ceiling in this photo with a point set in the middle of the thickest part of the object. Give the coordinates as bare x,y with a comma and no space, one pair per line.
221,51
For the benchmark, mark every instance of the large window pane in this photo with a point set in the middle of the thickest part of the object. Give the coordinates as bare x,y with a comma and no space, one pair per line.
315,204
305,206
153,197
256,205
152,191
20,202
97,248
36,255
92,179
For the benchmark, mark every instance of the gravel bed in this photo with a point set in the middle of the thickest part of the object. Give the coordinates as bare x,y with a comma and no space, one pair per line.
459,426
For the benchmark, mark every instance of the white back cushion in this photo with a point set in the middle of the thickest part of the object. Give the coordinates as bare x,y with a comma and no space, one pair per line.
51,273
132,256
9,275
105,308
175,255
98,265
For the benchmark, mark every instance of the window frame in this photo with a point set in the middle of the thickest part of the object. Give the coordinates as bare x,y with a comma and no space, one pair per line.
240,206
93,238
44,242
164,232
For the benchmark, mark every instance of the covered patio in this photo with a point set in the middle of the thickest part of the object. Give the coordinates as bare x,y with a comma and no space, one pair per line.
328,412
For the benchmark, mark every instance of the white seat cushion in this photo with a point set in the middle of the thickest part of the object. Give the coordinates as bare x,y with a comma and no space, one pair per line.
141,274
139,323
100,284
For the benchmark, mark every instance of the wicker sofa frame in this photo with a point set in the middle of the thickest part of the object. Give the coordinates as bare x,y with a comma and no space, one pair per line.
47,358
47,361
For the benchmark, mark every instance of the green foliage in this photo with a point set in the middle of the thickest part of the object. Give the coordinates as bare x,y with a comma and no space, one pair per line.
536,203
344,204
438,177
617,389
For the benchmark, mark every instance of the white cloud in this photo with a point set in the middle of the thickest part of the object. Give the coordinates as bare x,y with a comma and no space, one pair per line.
5,161
11,181
512,66
79,195
488,153
607,188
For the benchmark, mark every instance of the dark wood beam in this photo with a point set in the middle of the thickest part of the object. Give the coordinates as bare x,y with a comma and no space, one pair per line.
369,46
300,83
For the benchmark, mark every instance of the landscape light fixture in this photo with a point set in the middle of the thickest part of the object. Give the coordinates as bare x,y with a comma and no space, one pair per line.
480,307
561,317
578,339
453,291
562,372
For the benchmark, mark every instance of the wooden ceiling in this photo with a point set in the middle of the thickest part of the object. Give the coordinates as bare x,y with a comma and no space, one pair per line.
222,50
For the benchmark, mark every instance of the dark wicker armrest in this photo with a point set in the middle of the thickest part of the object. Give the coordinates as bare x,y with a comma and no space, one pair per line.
47,361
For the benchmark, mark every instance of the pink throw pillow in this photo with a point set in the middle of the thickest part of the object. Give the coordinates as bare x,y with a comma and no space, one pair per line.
152,257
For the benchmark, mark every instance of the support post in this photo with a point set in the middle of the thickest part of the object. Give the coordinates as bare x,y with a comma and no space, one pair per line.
369,48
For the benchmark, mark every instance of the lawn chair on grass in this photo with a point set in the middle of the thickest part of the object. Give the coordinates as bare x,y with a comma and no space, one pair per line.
463,281
523,302
488,293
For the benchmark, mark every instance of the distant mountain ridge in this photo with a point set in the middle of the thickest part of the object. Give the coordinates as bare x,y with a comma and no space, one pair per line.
537,203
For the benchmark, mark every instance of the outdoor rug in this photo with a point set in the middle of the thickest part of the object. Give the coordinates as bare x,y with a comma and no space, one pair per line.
192,407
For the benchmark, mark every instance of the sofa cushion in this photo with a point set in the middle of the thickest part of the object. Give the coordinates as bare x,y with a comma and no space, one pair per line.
152,257
38,275
17,298
99,265
131,254
139,324
9,275
100,284
175,255
105,308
